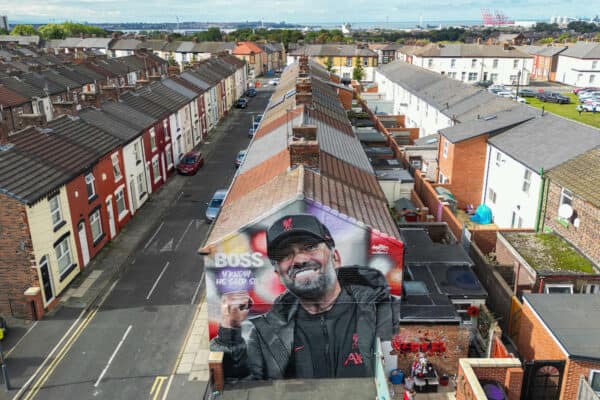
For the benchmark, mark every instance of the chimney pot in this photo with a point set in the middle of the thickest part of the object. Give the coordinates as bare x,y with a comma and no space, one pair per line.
306,132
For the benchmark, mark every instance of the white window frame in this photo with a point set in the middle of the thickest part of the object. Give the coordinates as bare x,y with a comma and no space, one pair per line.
89,184
515,64
169,156
61,253
156,169
365,61
445,149
594,64
472,76
494,77
443,179
116,167
430,63
592,373
452,62
592,288
136,152
96,218
526,181
565,194
495,63
492,195
549,286
141,185
473,63
498,159
348,61
152,139
592,78
166,130
55,211
121,192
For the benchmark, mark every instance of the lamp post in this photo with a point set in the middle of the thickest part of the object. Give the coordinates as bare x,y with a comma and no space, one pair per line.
518,81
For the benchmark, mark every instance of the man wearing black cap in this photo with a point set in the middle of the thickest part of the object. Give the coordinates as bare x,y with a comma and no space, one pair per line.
323,326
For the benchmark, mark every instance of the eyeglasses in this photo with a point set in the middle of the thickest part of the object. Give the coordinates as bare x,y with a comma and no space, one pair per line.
286,256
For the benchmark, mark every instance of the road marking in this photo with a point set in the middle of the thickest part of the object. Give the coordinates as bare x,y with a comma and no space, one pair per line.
110,360
7,354
182,236
157,386
198,288
60,355
155,233
157,279
168,246
168,387
179,196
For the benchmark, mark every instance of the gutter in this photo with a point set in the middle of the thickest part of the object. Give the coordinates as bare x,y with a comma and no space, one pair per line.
540,201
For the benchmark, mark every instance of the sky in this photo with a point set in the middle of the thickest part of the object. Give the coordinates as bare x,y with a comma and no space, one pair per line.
293,11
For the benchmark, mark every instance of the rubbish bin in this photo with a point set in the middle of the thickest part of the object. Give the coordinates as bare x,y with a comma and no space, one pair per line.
397,377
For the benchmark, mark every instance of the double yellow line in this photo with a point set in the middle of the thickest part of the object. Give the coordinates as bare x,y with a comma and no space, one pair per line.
157,386
41,381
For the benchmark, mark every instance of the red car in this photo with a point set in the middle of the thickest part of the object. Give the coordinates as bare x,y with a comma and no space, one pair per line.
190,163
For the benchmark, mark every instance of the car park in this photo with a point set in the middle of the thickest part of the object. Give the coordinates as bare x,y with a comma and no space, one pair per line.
552,97
250,92
239,159
505,94
214,205
588,95
589,107
526,93
241,103
585,89
190,163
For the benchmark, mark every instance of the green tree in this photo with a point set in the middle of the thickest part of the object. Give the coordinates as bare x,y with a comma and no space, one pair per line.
52,31
358,72
211,35
582,26
3,32
547,40
564,37
24,30
329,64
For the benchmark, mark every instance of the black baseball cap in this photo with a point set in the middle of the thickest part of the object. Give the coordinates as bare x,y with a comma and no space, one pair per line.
300,226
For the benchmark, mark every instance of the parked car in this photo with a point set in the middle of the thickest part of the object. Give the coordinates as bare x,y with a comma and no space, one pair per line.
239,159
241,103
585,89
519,99
251,132
274,82
484,84
215,205
505,94
250,92
552,97
497,88
588,95
527,93
3,328
257,118
190,163
589,107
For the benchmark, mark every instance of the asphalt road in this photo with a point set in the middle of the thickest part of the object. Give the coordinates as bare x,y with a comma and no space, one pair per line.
127,346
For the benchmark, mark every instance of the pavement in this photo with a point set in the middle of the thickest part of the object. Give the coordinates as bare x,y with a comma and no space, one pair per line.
121,269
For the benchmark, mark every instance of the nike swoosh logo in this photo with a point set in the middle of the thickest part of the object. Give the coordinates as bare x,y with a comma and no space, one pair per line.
298,348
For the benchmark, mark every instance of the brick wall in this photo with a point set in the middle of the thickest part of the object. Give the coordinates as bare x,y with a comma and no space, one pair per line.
587,236
573,370
345,97
507,373
534,341
16,258
455,337
304,153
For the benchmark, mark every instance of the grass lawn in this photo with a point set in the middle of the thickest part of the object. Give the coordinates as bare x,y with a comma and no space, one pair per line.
568,110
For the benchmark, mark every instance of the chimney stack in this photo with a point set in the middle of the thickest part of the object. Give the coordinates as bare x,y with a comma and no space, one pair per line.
303,92
304,148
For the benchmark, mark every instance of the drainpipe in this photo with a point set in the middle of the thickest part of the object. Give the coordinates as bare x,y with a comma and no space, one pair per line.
487,173
540,201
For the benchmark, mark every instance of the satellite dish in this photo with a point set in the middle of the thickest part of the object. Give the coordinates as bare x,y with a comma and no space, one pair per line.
576,223
565,211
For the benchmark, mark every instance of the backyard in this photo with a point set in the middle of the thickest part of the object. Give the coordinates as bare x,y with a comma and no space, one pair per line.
568,110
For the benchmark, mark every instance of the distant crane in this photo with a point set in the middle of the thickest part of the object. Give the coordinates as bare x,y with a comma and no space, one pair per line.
177,18
496,18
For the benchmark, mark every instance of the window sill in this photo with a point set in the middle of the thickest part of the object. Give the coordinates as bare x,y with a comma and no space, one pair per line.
138,162
59,225
67,272
97,241
91,199
123,215
143,194
118,179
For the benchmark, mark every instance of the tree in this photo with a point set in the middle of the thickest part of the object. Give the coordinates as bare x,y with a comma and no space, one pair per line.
329,64
52,31
564,37
547,40
23,30
582,26
358,72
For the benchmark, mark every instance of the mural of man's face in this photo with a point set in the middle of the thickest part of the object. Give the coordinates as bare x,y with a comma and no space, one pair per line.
308,268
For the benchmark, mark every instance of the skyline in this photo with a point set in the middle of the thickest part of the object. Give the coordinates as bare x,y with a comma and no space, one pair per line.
290,11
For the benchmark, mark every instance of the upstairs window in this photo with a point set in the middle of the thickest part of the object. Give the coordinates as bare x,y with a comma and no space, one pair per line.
136,152
152,139
89,185
526,181
116,166
453,63
495,63
55,210
473,63
515,64
348,61
445,151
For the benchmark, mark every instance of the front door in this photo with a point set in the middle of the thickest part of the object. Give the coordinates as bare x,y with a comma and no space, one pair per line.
111,218
85,252
46,283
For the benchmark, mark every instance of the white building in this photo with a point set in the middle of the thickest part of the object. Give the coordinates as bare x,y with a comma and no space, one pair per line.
503,64
431,101
518,159
579,65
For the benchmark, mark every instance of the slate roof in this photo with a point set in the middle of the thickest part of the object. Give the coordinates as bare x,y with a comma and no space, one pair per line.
180,88
89,73
546,51
429,140
490,124
95,43
129,115
187,84
145,105
420,249
546,141
73,75
60,79
214,47
452,98
152,44
41,82
459,50
125,44
164,96
583,50
21,87
568,318
333,50
194,78
9,98
581,176
107,123
21,40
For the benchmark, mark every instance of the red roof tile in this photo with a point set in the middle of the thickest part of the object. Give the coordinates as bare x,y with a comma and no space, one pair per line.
244,48
8,98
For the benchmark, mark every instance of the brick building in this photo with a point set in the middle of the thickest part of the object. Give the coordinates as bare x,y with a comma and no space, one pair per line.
558,343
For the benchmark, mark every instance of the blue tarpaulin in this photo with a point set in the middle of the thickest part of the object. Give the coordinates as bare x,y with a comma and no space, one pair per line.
483,215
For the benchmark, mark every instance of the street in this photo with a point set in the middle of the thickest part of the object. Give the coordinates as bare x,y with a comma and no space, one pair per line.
127,344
